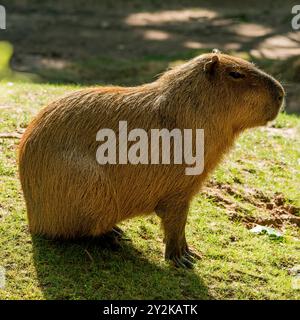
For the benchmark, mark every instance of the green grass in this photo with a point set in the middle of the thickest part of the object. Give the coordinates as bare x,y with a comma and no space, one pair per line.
236,264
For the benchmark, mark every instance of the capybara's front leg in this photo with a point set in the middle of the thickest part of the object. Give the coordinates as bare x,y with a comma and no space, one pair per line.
173,221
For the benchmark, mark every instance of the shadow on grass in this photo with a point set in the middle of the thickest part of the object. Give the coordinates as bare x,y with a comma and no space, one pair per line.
129,43
86,270
120,42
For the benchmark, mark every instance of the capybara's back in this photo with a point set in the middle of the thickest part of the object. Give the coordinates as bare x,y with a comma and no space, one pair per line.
69,194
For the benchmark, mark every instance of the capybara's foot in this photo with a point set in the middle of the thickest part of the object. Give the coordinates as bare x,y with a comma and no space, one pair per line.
194,254
112,238
117,232
183,258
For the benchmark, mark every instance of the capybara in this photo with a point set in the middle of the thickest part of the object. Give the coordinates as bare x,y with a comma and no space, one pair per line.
69,194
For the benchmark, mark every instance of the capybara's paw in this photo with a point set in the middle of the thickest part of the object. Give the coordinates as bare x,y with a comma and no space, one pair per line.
117,232
193,253
109,241
186,259
112,238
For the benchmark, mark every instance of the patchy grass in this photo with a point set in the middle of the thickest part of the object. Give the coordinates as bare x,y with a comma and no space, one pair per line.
236,264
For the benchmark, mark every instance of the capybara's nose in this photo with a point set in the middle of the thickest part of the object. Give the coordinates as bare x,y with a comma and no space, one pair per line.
280,98
281,101
277,91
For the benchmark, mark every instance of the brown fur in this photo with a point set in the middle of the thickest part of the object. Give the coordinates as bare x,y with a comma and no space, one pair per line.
68,194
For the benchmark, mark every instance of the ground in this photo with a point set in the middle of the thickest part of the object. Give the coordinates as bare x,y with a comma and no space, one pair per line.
130,42
49,50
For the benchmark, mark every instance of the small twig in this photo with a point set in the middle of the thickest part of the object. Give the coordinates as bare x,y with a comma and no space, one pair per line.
89,255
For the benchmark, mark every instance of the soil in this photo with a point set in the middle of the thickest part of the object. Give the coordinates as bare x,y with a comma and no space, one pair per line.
270,209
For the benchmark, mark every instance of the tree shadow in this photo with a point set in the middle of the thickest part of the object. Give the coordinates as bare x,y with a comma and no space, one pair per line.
129,43
85,269
73,43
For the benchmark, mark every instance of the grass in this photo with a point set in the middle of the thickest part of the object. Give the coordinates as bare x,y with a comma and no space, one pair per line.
236,264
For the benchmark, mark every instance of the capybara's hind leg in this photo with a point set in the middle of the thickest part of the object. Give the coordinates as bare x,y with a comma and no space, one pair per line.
117,232
173,219
111,238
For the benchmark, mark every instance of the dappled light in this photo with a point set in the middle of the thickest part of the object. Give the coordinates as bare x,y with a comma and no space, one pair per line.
169,16
194,45
134,44
278,47
156,35
250,30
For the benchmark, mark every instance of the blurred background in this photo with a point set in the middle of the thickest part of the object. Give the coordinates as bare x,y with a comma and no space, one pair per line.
131,42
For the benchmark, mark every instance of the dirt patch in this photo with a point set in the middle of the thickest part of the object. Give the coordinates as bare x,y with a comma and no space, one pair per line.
276,211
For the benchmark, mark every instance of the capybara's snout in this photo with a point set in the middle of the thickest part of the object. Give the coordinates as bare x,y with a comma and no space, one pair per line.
277,95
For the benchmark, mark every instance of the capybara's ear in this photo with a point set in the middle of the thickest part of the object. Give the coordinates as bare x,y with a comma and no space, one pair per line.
211,65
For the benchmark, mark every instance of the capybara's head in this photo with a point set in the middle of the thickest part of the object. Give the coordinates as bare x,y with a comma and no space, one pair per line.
233,88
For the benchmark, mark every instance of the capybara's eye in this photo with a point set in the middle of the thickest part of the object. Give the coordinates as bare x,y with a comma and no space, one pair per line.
236,75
